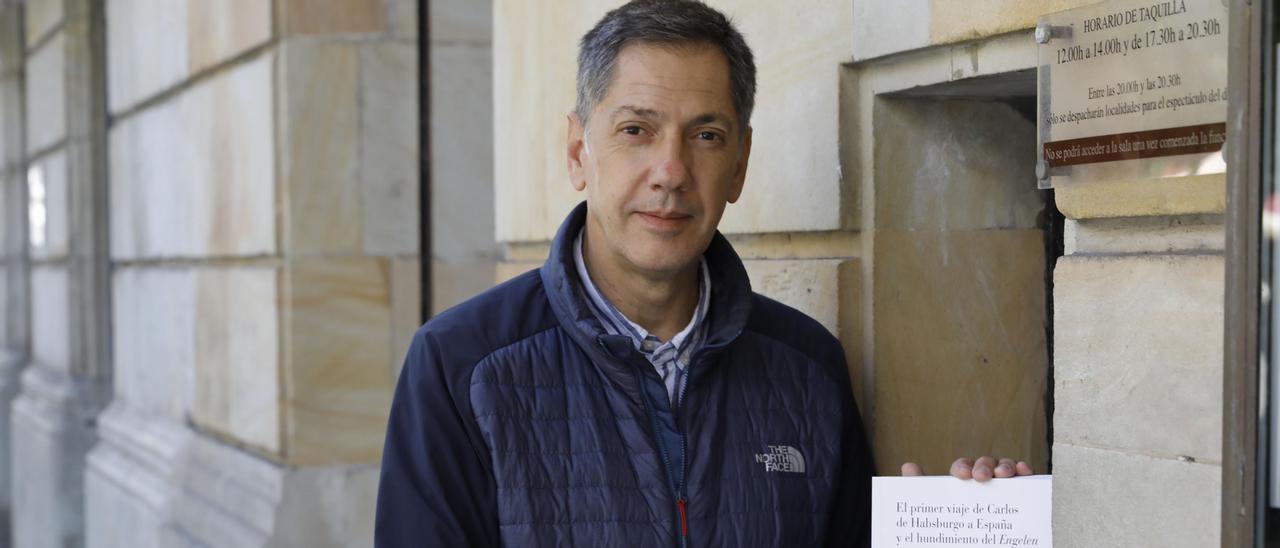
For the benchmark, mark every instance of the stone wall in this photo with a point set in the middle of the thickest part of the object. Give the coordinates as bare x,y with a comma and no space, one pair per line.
13,235
463,250
263,233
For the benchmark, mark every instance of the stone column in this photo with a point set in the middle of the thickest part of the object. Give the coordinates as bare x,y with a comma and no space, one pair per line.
65,385
264,235
1138,302
14,337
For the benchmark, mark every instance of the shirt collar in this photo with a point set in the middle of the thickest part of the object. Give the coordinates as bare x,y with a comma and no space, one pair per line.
618,324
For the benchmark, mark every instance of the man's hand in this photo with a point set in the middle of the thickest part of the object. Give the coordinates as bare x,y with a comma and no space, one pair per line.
984,469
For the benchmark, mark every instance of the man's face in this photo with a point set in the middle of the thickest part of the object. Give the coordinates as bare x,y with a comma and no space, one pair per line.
660,156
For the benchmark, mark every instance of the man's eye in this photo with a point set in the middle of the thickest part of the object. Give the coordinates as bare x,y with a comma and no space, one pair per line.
708,135
632,130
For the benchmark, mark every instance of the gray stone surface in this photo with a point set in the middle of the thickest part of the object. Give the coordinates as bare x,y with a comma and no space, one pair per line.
389,151
45,95
460,21
50,322
1132,235
52,430
1138,354
1113,498
462,207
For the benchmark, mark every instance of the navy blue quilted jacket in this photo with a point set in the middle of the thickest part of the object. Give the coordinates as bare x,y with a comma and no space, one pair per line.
517,421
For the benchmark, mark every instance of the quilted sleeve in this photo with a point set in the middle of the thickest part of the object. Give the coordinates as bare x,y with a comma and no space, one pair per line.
436,488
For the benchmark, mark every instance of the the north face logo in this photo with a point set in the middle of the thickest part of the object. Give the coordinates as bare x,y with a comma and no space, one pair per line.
782,458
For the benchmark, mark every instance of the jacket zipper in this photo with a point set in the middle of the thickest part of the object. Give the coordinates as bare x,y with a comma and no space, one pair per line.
666,460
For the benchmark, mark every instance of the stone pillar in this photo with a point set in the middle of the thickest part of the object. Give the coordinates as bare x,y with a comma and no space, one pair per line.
66,383
1138,321
14,336
463,250
264,235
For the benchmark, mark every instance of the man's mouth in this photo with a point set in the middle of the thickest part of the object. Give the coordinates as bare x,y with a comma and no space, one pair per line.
664,219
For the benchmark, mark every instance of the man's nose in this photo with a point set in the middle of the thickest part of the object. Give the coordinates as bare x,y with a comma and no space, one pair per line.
671,167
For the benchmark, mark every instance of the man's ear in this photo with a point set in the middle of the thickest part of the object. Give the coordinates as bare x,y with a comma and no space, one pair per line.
576,151
740,176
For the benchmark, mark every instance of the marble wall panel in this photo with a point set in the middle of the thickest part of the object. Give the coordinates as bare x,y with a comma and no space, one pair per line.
319,145
146,48
181,193
390,174
337,383
237,355
153,339
50,322
1138,354
46,114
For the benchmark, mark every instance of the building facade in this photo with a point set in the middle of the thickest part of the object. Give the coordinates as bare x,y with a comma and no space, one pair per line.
221,222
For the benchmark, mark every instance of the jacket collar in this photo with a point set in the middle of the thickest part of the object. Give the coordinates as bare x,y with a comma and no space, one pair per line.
730,296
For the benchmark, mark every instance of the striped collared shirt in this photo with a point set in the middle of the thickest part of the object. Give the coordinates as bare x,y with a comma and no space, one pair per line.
670,358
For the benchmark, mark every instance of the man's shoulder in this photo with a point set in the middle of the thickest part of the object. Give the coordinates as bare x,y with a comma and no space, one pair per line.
496,318
793,328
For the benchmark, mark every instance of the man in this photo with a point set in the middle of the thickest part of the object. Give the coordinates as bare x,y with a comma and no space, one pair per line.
634,391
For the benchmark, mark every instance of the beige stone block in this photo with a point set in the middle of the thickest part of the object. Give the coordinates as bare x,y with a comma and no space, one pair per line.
461,21
41,17
462,184
176,192
959,347
404,17
46,115
1138,353
1133,235
453,282
237,355
337,384
1113,498
534,53
1150,198
217,31
406,308
153,335
799,47
147,48
331,16
50,317
954,165
47,190
319,140
956,21
881,27
808,286
506,270
390,174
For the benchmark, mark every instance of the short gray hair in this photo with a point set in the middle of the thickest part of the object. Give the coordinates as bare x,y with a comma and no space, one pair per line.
664,22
